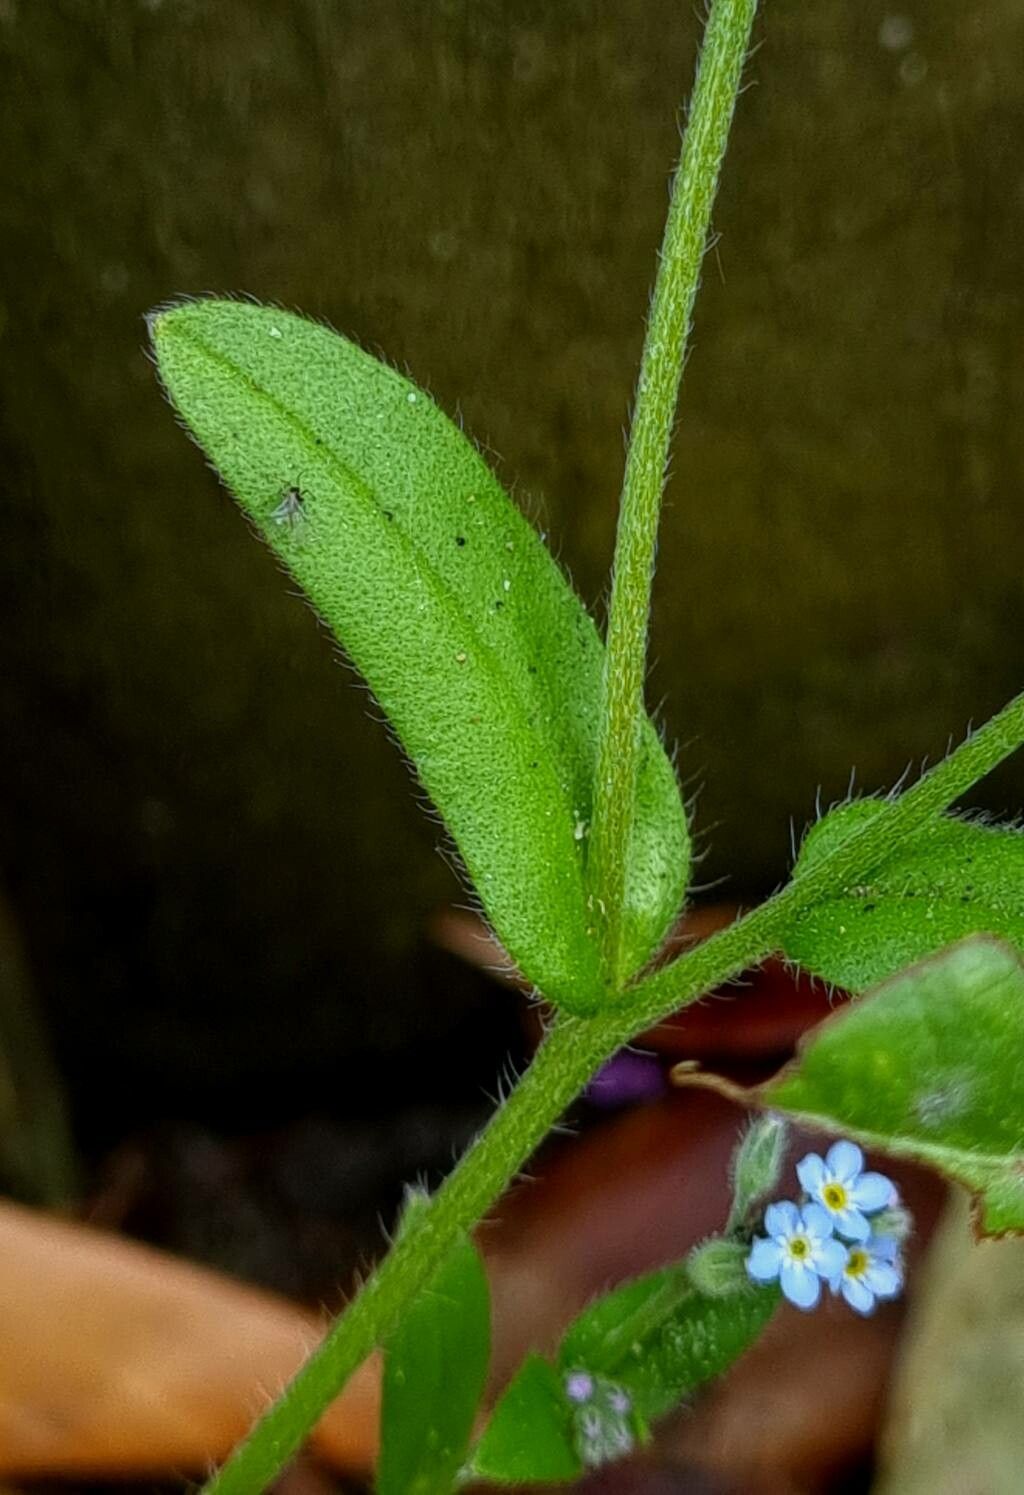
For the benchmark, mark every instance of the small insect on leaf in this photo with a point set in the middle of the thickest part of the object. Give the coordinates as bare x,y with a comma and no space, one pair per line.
291,511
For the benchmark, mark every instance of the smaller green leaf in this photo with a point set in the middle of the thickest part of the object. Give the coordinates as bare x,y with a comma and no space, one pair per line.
603,1335
638,1351
661,1339
927,1066
696,1343
435,1367
956,878
530,1433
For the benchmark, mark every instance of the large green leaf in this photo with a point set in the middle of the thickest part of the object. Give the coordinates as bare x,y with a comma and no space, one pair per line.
928,1066
435,1368
449,604
957,877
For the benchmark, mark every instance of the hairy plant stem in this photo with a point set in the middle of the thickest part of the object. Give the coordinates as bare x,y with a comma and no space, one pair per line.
686,231
572,1051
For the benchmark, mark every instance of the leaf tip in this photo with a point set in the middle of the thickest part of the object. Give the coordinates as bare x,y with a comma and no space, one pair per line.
163,317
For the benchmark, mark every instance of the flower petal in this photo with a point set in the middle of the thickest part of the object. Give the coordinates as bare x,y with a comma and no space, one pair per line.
883,1280
817,1222
844,1160
764,1260
830,1258
873,1191
782,1218
852,1224
800,1285
885,1248
811,1172
858,1295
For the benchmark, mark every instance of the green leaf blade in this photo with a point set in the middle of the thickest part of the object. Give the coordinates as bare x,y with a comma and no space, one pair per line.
662,1340
656,1338
435,1369
529,1437
602,1337
450,606
957,878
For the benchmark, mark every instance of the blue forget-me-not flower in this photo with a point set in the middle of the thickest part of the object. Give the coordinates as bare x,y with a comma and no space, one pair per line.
873,1271
839,1184
838,1236
800,1250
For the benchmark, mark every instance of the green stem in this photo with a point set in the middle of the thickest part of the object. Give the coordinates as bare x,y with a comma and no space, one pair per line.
682,253
570,1054
561,1068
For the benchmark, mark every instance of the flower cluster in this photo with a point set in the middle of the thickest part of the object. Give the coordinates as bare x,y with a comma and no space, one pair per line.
603,1418
834,1236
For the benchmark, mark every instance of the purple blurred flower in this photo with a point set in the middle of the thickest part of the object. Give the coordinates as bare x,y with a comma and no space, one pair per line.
627,1079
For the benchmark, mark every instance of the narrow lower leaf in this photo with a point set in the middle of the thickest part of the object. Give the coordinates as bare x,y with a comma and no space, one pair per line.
956,878
927,1066
449,604
529,1437
435,1367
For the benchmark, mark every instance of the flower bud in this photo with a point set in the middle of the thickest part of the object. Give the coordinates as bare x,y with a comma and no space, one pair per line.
756,1166
895,1221
716,1267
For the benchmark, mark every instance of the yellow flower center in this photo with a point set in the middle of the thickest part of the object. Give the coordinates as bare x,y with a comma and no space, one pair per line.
834,1196
798,1247
857,1262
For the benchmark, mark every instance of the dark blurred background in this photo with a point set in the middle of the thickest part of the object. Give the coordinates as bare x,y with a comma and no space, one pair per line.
210,850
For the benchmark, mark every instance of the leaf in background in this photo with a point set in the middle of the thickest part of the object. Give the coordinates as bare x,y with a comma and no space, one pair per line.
530,1434
958,877
661,1339
435,1368
448,603
928,1066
